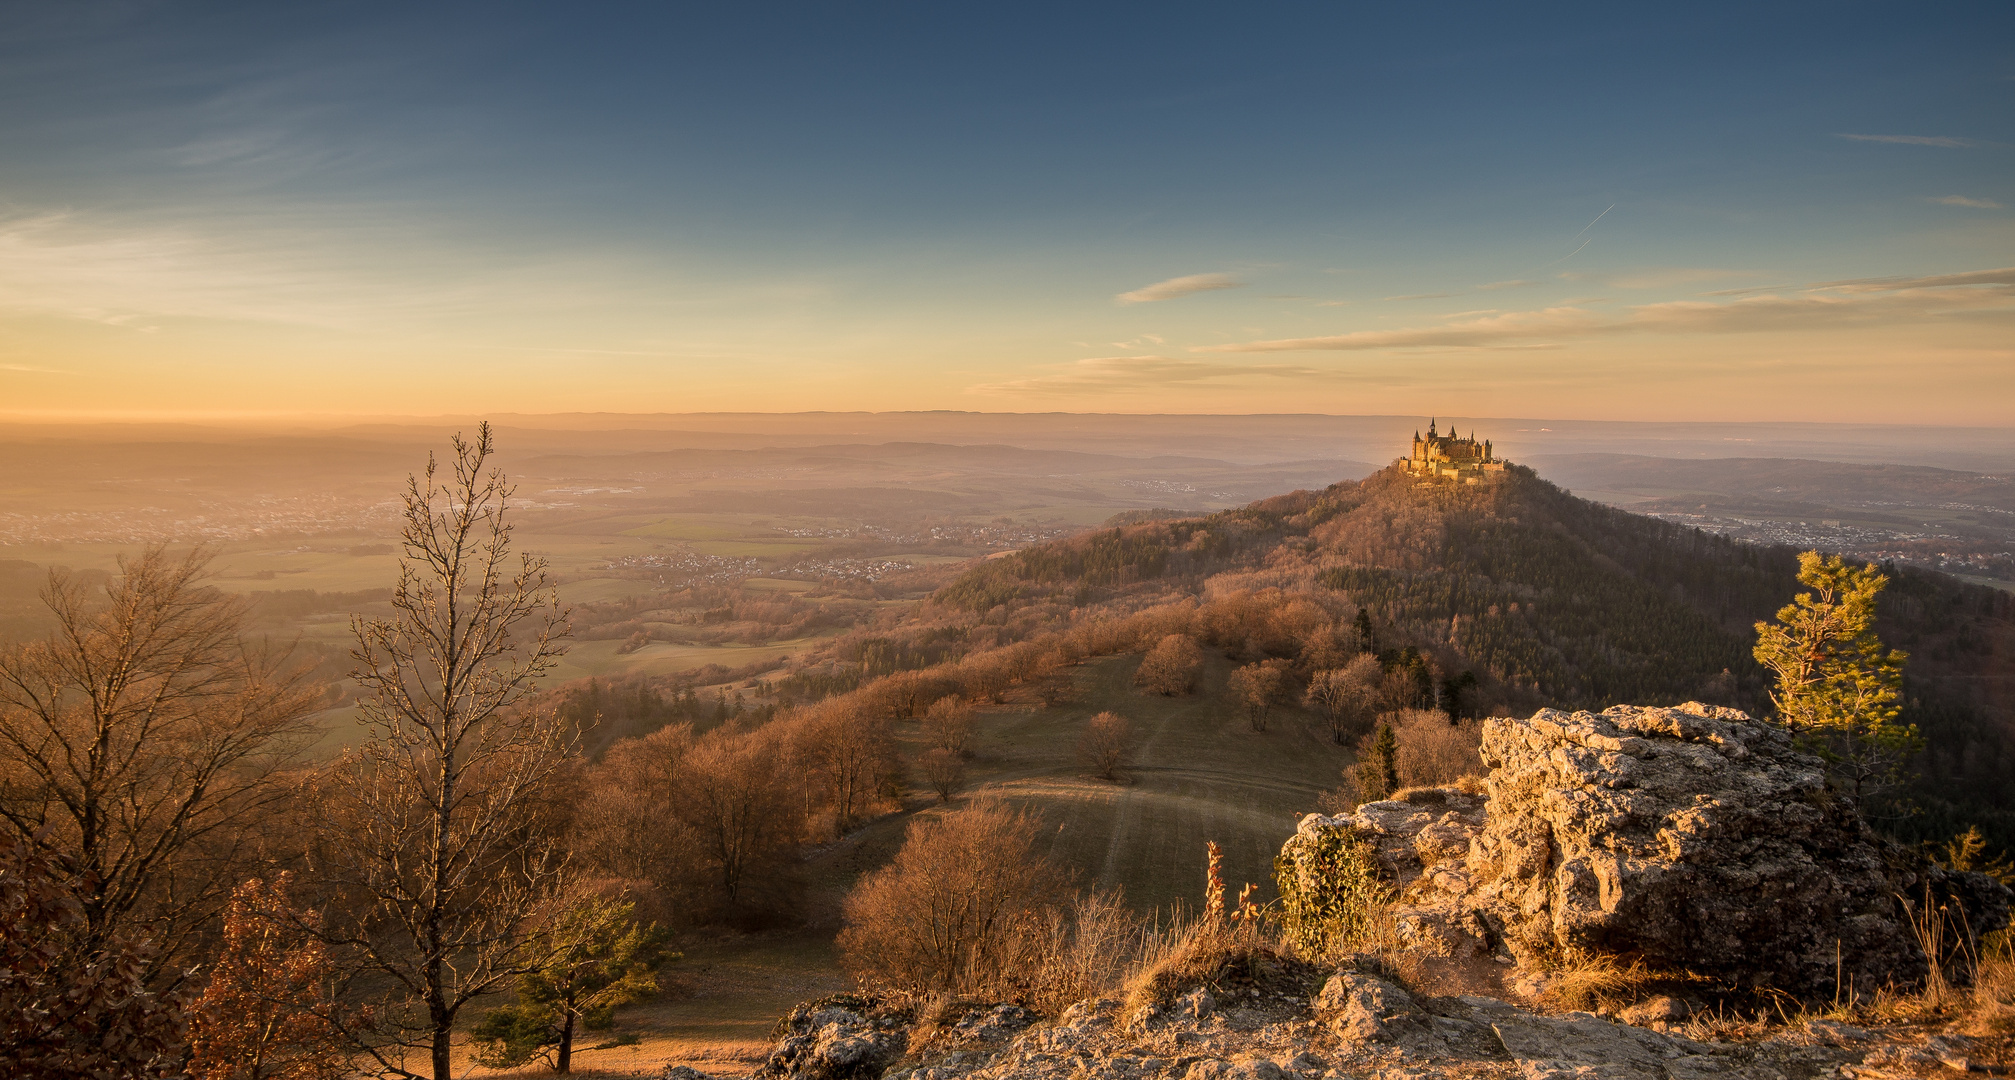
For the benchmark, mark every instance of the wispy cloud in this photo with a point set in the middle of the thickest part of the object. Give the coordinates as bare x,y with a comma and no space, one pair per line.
1179,286
1514,283
1829,305
30,369
1977,204
1134,374
1655,277
1419,296
1914,140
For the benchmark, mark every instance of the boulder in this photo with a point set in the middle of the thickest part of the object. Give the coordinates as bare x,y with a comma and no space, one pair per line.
1690,838
833,1040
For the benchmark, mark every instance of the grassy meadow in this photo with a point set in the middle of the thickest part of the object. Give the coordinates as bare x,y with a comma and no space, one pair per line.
1199,774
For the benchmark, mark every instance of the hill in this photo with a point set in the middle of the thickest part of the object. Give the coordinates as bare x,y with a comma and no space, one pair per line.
1544,599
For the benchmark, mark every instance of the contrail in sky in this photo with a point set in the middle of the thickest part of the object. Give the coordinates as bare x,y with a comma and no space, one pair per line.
1577,236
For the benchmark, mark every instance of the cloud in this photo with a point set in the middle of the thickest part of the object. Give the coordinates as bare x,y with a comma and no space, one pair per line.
1514,283
30,369
1831,305
1420,296
1977,204
1179,286
1655,277
1914,140
2003,276
1128,374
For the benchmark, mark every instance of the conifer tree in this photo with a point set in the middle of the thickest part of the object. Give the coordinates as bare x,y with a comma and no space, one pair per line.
600,959
1836,683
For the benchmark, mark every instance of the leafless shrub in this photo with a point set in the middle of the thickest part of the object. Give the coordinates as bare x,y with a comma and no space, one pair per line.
1105,744
1434,751
963,908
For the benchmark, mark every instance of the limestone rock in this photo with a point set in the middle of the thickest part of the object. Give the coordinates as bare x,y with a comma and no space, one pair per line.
832,1041
1690,838
1365,1008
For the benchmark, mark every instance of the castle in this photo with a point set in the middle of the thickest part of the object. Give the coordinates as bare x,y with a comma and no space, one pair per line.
1447,457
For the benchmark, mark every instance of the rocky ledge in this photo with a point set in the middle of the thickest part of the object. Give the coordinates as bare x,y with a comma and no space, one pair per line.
1689,839
1355,1024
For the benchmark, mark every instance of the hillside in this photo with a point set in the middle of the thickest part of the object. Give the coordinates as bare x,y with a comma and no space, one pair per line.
1547,600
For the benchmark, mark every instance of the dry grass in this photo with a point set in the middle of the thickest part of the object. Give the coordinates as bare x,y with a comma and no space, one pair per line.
1594,981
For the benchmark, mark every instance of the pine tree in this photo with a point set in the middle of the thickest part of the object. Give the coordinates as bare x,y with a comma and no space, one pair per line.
600,959
1836,683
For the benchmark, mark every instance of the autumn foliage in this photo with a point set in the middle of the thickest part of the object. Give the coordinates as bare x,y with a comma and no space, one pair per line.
267,1013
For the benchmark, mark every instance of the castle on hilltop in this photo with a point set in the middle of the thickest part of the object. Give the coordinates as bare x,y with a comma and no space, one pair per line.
1452,458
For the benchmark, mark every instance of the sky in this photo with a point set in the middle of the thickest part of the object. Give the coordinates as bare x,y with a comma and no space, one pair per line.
1678,212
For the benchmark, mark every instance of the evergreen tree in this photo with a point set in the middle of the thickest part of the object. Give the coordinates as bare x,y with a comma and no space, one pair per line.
1378,769
600,959
1836,683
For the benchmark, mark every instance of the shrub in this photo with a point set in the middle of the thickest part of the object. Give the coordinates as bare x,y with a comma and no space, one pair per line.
67,1009
1331,894
962,909
1432,750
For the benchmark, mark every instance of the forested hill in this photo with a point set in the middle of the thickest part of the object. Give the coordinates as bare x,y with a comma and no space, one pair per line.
1546,599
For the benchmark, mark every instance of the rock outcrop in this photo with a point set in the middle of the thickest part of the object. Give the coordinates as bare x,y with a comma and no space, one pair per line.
836,1039
1363,1026
1690,839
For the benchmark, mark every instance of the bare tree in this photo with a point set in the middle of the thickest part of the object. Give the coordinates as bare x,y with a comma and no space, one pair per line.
737,801
1254,686
1105,744
948,724
138,742
1170,667
432,825
851,752
1346,696
944,771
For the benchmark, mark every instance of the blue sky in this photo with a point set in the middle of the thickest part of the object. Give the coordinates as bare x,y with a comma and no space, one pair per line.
1701,212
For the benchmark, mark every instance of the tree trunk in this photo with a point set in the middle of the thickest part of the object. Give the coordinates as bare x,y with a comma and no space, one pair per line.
444,1045
566,1062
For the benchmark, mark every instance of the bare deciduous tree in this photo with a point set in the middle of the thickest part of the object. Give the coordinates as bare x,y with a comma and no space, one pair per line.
948,724
848,750
432,819
1170,667
1347,695
1254,686
944,771
138,740
1105,743
738,801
